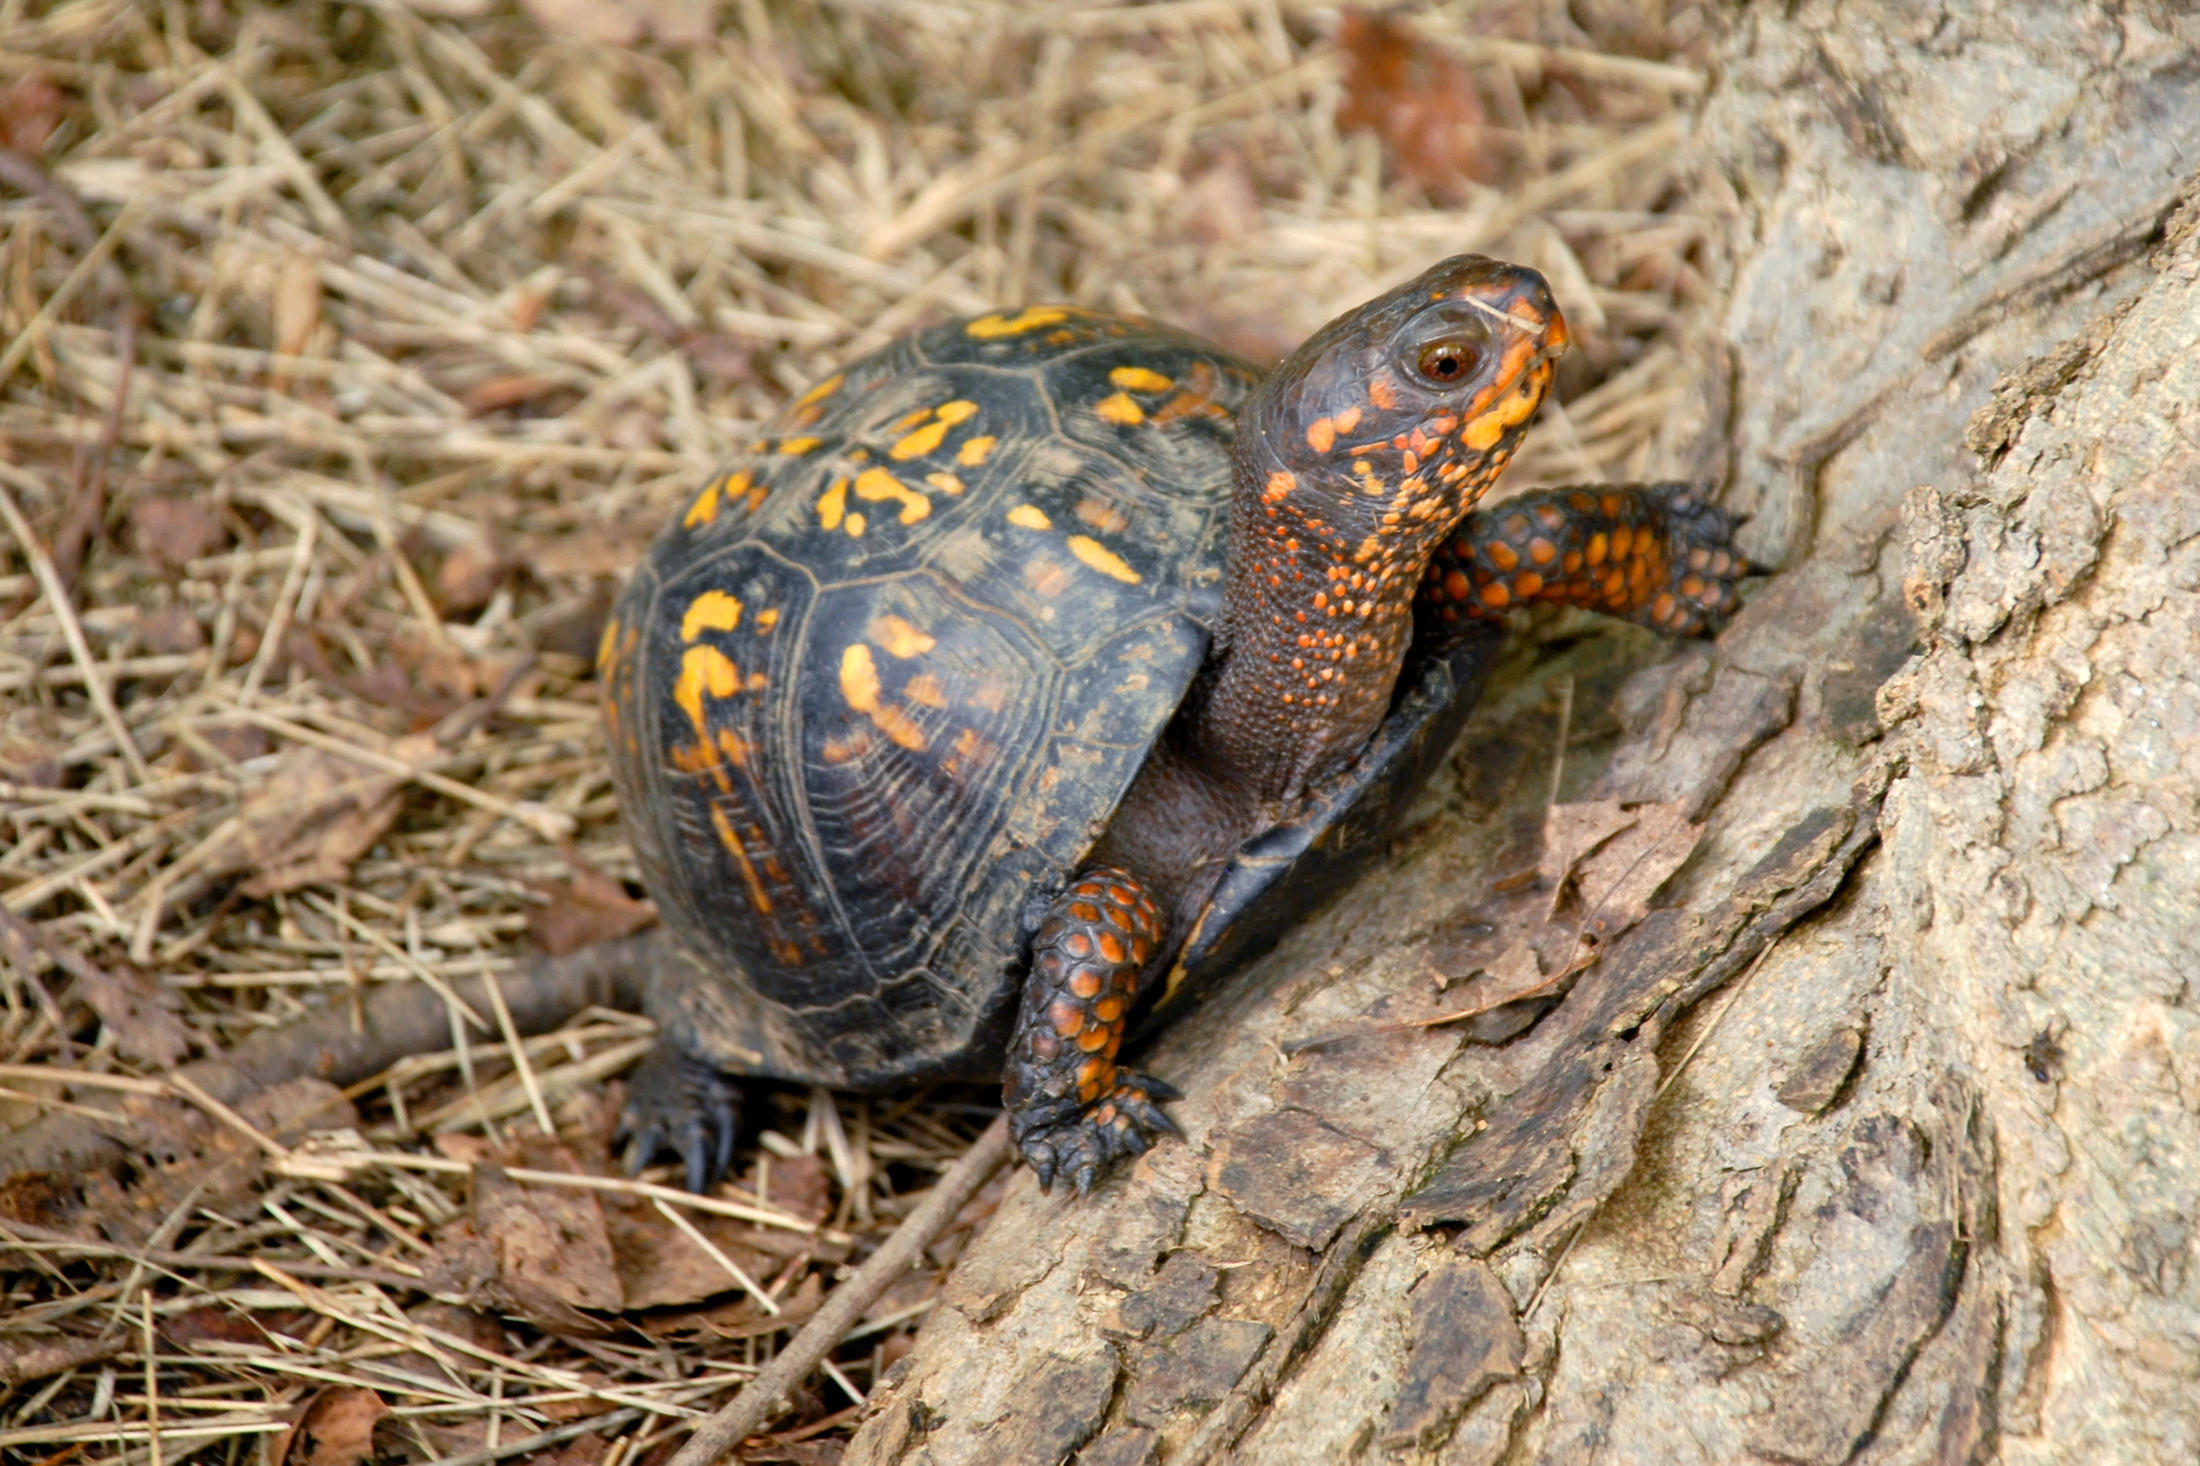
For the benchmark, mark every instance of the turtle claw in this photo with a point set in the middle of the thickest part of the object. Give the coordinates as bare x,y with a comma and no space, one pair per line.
681,1104
1078,1144
1706,567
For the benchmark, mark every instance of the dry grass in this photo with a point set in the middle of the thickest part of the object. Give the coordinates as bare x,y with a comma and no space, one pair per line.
348,352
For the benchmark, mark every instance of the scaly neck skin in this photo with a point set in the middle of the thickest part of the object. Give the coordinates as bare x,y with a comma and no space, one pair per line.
1320,589
1354,460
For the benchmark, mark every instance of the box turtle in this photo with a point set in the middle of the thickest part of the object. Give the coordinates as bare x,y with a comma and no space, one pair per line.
1039,668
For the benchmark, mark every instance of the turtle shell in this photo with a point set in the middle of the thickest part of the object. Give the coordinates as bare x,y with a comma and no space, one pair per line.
881,685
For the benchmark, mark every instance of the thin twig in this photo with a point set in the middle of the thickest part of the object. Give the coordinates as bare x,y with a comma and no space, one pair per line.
823,1333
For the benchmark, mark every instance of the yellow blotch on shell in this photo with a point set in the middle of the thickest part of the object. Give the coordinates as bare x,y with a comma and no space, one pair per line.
713,610
705,507
946,483
1139,379
859,678
925,690
705,671
1120,409
1029,516
821,391
859,684
974,450
1102,559
877,485
767,618
901,638
855,526
796,447
607,648
999,325
832,504
915,445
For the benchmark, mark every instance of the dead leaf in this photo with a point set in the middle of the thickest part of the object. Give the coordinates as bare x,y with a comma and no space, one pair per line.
211,1325
800,1186
30,109
239,742
1570,832
1616,883
660,1266
139,1012
335,1428
297,306
496,394
171,629
470,576
738,1318
551,1243
1422,102
588,909
174,532
457,1145
314,815
583,1450
180,1152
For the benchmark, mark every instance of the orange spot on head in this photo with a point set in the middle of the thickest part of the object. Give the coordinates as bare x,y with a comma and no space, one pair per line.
1382,392
1321,434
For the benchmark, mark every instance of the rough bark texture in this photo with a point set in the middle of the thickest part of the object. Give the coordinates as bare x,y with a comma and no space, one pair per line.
1915,1183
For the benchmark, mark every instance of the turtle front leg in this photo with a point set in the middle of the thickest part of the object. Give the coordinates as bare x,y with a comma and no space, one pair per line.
1071,1109
1658,554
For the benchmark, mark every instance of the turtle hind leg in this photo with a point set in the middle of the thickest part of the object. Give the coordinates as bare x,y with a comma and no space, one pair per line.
1072,1110
676,1102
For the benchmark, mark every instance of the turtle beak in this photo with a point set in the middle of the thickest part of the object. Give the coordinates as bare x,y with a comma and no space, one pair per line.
1522,300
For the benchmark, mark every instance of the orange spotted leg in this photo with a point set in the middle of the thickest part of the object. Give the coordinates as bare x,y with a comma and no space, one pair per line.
1658,554
1071,1109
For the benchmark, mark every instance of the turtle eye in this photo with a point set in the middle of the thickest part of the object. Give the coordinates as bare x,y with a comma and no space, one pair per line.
1448,363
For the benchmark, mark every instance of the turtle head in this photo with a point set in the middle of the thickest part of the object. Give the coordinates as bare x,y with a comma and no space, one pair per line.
1395,417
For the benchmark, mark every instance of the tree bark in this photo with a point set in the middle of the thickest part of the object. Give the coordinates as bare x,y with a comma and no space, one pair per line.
1877,1140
